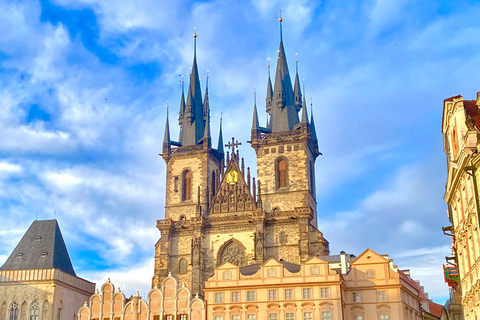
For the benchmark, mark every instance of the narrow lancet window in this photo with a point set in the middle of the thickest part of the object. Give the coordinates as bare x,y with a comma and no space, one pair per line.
187,186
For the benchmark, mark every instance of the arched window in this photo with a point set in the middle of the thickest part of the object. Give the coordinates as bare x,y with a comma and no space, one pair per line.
14,311
281,173
187,186
283,237
34,311
182,266
312,176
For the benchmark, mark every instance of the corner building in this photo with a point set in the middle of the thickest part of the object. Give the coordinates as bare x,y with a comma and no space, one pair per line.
461,128
216,211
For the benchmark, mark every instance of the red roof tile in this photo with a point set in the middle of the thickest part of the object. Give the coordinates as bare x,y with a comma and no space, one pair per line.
454,97
414,284
435,309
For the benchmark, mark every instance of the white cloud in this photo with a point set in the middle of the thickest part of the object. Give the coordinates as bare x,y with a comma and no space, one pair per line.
10,168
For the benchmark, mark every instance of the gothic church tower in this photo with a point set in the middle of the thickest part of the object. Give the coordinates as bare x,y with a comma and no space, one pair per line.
216,212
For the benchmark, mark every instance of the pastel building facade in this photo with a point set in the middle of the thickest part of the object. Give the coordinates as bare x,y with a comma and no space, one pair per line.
371,288
460,128
169,301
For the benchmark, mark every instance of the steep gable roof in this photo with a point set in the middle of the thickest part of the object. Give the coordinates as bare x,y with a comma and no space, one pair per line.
42,247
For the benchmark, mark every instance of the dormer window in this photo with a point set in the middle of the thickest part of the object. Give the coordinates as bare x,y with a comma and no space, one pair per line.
281,173
19,255
44,254
37,239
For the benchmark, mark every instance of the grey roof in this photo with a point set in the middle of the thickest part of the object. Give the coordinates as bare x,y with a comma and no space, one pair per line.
42,247
253,268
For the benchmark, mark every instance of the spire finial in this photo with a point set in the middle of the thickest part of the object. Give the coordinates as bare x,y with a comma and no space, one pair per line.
268,68
296,62
183,81
207,77
280,20
195,42
303,86
255,95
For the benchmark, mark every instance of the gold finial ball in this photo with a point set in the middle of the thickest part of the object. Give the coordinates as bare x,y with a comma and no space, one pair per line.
195,35
280,19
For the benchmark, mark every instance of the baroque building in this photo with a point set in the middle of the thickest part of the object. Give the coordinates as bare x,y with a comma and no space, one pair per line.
37,281
215,210
461,128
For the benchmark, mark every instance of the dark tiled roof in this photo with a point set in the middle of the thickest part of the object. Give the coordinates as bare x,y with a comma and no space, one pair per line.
471,110
253,268
42,247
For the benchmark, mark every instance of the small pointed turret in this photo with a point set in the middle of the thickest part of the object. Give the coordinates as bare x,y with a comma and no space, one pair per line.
268,99
255,123
166,136
220,138
206,103
312,123
181,114
304,108
297,91
207,139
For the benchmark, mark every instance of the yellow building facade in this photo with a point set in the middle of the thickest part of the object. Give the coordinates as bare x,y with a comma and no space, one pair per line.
371,288
460,128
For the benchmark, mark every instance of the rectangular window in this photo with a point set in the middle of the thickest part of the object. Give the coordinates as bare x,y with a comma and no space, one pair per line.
370,274
326,315
183,317
272,295
357,317
307,293
235,317
250,296
169,317
157,317
272,316
289,316
308,316
325,293
381,295
236,296
218,317
357,297
218,297
288,294
384,317
251,317
271,273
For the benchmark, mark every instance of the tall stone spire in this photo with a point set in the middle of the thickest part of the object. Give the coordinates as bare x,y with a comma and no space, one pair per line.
193,128
284,115
297,91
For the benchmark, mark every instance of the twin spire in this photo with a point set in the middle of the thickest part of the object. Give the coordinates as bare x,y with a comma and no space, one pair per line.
194,115
282,101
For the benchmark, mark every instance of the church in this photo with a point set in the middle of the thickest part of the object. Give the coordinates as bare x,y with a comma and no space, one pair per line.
215,211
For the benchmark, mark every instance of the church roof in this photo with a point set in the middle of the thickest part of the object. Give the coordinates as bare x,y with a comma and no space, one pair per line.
42,247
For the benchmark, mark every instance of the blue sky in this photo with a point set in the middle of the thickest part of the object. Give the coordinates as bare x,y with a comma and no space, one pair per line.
83,92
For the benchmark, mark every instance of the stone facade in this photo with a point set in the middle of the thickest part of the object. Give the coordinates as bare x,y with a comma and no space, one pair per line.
53,293
169,301
461,128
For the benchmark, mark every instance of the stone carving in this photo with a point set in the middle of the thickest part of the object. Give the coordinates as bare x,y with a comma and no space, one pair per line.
234,254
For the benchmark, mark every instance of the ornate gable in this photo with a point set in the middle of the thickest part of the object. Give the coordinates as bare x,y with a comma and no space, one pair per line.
233,195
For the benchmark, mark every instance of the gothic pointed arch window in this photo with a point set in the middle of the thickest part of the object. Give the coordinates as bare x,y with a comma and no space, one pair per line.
14,311
182,266
187,185
232,251
281,173
34,311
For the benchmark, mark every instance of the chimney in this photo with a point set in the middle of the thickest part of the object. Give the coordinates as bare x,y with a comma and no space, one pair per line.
343,262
